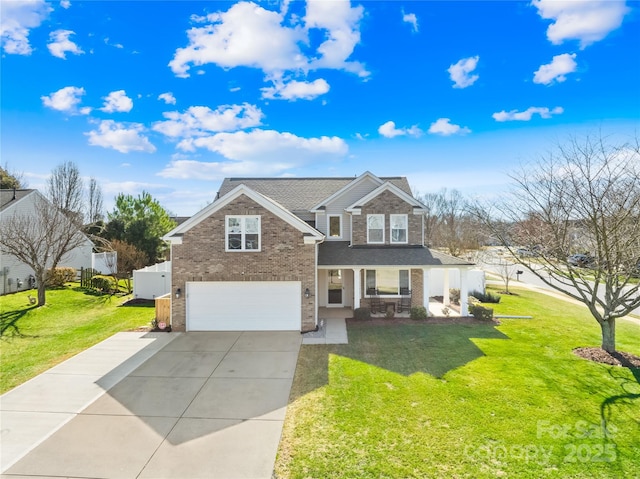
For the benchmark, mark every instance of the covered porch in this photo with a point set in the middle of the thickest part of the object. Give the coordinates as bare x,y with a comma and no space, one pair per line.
396,278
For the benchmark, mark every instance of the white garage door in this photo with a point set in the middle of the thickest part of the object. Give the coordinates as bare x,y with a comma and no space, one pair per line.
244,306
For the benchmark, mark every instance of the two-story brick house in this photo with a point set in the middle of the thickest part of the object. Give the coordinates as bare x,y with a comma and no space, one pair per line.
269,252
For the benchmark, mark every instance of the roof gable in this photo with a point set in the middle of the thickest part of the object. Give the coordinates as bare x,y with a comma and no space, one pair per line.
387,186
175,234
366,176
301,195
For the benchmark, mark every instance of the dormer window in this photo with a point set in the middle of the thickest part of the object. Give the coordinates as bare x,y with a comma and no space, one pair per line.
375,229
335,226
398,224
243,233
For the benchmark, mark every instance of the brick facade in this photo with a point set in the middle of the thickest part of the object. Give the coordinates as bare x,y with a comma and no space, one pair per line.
283,257
387,203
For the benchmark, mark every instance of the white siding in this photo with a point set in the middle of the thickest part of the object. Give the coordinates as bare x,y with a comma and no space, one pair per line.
338,204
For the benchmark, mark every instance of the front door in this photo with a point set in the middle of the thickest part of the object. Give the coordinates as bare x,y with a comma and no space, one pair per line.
335,287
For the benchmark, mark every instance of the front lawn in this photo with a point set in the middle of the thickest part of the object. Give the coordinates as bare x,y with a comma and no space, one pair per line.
441,400
34,339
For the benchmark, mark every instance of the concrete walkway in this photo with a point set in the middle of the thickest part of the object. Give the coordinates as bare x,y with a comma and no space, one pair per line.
154,405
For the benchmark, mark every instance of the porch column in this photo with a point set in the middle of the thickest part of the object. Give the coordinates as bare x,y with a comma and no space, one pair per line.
426,277
357,294
464,292
445,287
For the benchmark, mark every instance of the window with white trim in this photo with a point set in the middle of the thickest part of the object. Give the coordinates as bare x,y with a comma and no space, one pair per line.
375,228
242,233
387,282
398,225
335,226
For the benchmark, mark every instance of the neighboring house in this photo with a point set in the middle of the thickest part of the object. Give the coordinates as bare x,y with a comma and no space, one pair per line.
268,252
15,275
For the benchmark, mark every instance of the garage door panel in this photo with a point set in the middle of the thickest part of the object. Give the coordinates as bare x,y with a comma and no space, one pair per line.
244,306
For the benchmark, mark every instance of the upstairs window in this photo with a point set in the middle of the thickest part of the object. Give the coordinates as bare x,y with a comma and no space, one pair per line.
375,228
335,226
243,233
398,228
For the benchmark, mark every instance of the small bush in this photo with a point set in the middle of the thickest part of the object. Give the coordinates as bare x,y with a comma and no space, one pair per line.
486,297
454,295
57,277
473,300
418,312
102,283
481,312
362,314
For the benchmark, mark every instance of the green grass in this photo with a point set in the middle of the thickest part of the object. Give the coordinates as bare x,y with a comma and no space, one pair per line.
476,401
35,339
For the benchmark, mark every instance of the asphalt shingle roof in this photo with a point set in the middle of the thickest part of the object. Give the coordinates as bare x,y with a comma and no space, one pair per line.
300,194
339,253
7,197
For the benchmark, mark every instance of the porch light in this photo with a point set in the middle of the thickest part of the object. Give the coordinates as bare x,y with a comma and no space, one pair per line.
178,292
307,293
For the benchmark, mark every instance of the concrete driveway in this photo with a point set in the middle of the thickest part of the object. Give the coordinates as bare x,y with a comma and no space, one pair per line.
204,405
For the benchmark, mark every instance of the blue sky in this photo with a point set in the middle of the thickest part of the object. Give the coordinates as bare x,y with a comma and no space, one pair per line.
171,97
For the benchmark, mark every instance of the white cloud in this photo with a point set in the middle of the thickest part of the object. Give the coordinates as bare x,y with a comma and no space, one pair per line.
121,137
107,41
296,90
254,153
117,101
411,19
168,98
587,21
202,120
245,35
560,66
342,25
389,130
17,19
252,36
65,4
217,170
444,127
266,145
59,44
67,100
526,115
460,73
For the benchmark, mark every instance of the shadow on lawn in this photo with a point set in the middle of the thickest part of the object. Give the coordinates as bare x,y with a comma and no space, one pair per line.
9,326
628,385
433,349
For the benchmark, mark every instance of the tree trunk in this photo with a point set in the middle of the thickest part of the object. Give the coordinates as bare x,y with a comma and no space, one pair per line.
41,293
609,335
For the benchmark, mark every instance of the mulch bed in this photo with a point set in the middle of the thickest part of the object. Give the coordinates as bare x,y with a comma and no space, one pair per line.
430,320
599,355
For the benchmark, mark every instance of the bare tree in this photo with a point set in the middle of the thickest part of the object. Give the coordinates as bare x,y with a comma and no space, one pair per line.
41,241
66,190
95,208
504,266
129,258
431,217
582,198
448,224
